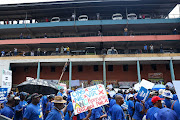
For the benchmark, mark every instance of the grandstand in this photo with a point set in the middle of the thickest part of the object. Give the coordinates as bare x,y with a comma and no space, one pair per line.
29,26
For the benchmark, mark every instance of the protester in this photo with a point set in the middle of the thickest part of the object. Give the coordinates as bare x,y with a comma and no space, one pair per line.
49,105
117,112
33,110
8,110
61,92
57,113
57,50
168,96
166,114
131,105
2,53
161,48
153,110
139,110
19,109
145,48
68,50
176,107
151,48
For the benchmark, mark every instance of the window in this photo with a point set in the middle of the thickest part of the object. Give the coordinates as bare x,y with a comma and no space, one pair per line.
96,68
125,67
80,68
110,67
53,68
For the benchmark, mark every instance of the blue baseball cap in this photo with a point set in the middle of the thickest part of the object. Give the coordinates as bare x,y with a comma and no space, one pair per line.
166,114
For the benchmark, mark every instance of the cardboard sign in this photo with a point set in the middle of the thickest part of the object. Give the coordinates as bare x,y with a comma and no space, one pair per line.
93,97
146,84
143,94
75,83
62,85
7,79
3,94
177,88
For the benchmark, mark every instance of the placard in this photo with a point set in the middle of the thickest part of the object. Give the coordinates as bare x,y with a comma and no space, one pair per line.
3,94
7,79
177,88
143,94
146,84
94,96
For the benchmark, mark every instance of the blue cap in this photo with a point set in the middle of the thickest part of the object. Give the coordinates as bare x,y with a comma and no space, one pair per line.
166,114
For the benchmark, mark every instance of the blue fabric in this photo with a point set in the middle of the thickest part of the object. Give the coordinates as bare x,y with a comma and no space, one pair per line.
44,102
130,106
54,115
112,102
117,113
167,103
59,94
48,108
82,115
138,108
149,102
175,97
68,98
176,108
161,96
69,108
166,114
19,115
152,113
8,112
96,113
33,112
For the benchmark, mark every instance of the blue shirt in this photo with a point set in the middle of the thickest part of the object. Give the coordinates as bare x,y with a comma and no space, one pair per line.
175,97
33,112
168,103
96,113
82,115
59,94
54,115
130,107
19,115
152,113
149,102
69,108
117,113
8,112
166,114
176,108
138,108
112,102
44,102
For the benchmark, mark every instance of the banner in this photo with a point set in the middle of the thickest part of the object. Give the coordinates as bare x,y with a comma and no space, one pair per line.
94,97
143,94
7,79
177,88
3,94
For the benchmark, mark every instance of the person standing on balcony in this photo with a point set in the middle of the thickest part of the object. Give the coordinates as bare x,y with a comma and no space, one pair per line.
2,53
45,35
38,51
145,48
161,48
46,19
21,36
125,31
151,48
174,31
57,50
15,51
62,50
68,50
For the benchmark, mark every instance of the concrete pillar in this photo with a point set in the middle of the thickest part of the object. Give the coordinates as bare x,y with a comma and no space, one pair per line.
138,71
104,73
38,70
172,70
70,74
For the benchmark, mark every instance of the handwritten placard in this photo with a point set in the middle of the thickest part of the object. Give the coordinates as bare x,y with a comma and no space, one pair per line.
94,96
143,94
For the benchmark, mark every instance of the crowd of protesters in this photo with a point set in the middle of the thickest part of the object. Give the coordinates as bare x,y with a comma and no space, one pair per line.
160,105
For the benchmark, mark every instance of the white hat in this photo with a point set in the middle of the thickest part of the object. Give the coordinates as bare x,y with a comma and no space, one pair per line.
161,91
167,94
130,96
